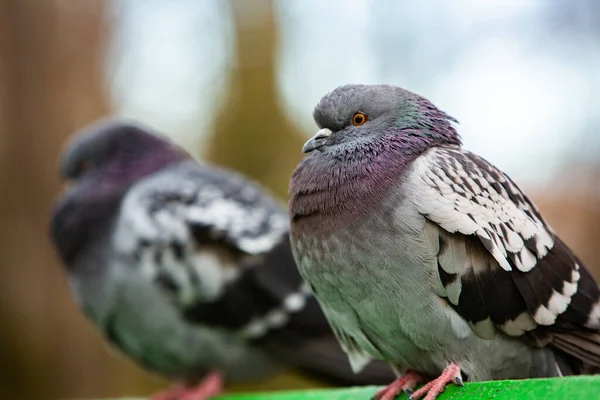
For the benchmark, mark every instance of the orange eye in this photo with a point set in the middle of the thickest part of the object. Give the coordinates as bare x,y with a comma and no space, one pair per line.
359,118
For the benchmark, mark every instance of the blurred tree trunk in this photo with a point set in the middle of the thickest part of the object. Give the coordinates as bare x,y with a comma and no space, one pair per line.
251,134
51,62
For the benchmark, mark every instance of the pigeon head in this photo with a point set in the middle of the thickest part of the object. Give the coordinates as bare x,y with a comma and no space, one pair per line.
352,116
118,151
368,135
101,163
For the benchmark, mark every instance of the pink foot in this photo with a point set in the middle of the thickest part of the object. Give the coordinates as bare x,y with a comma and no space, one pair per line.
450,375
211,385
406,383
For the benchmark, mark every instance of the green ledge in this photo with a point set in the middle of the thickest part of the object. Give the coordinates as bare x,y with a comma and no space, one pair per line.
580,387
571,388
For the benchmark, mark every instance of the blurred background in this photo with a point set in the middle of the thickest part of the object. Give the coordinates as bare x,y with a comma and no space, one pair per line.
234,82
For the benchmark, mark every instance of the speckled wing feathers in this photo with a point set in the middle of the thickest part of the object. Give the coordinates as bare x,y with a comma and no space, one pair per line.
196,231
500,265
466,194
225,205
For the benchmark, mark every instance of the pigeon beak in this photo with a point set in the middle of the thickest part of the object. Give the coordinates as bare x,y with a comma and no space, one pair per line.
316,141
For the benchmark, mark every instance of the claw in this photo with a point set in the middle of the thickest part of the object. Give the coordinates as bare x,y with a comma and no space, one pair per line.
458,381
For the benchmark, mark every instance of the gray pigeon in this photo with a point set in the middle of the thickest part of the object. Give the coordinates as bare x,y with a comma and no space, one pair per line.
187,268
428,257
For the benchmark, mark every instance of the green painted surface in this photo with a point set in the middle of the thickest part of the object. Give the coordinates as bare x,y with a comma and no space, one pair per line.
581,387
572,388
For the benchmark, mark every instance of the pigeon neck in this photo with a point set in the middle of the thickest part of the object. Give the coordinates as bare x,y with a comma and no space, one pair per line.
80,218
327,192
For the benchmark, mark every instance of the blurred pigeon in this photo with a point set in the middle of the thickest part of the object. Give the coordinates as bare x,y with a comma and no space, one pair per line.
187,268
427,256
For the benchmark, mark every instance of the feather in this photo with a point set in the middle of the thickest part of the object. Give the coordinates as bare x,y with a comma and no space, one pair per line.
540,287
498,213
581,344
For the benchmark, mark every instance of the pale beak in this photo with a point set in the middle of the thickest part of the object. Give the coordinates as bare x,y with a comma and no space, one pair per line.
316,141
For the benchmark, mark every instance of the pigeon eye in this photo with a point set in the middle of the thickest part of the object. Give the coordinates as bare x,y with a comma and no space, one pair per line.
359,119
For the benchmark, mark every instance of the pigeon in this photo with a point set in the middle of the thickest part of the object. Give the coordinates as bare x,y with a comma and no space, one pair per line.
187,268
428,257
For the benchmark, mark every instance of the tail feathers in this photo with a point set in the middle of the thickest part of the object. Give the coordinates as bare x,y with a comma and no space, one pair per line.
582,345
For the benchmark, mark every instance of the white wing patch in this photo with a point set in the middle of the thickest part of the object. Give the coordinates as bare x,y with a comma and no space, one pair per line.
463,193
523,323
161,217
224,215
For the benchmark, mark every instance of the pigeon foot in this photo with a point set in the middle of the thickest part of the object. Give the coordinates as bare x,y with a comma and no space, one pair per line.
432,389
406,383
210,386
